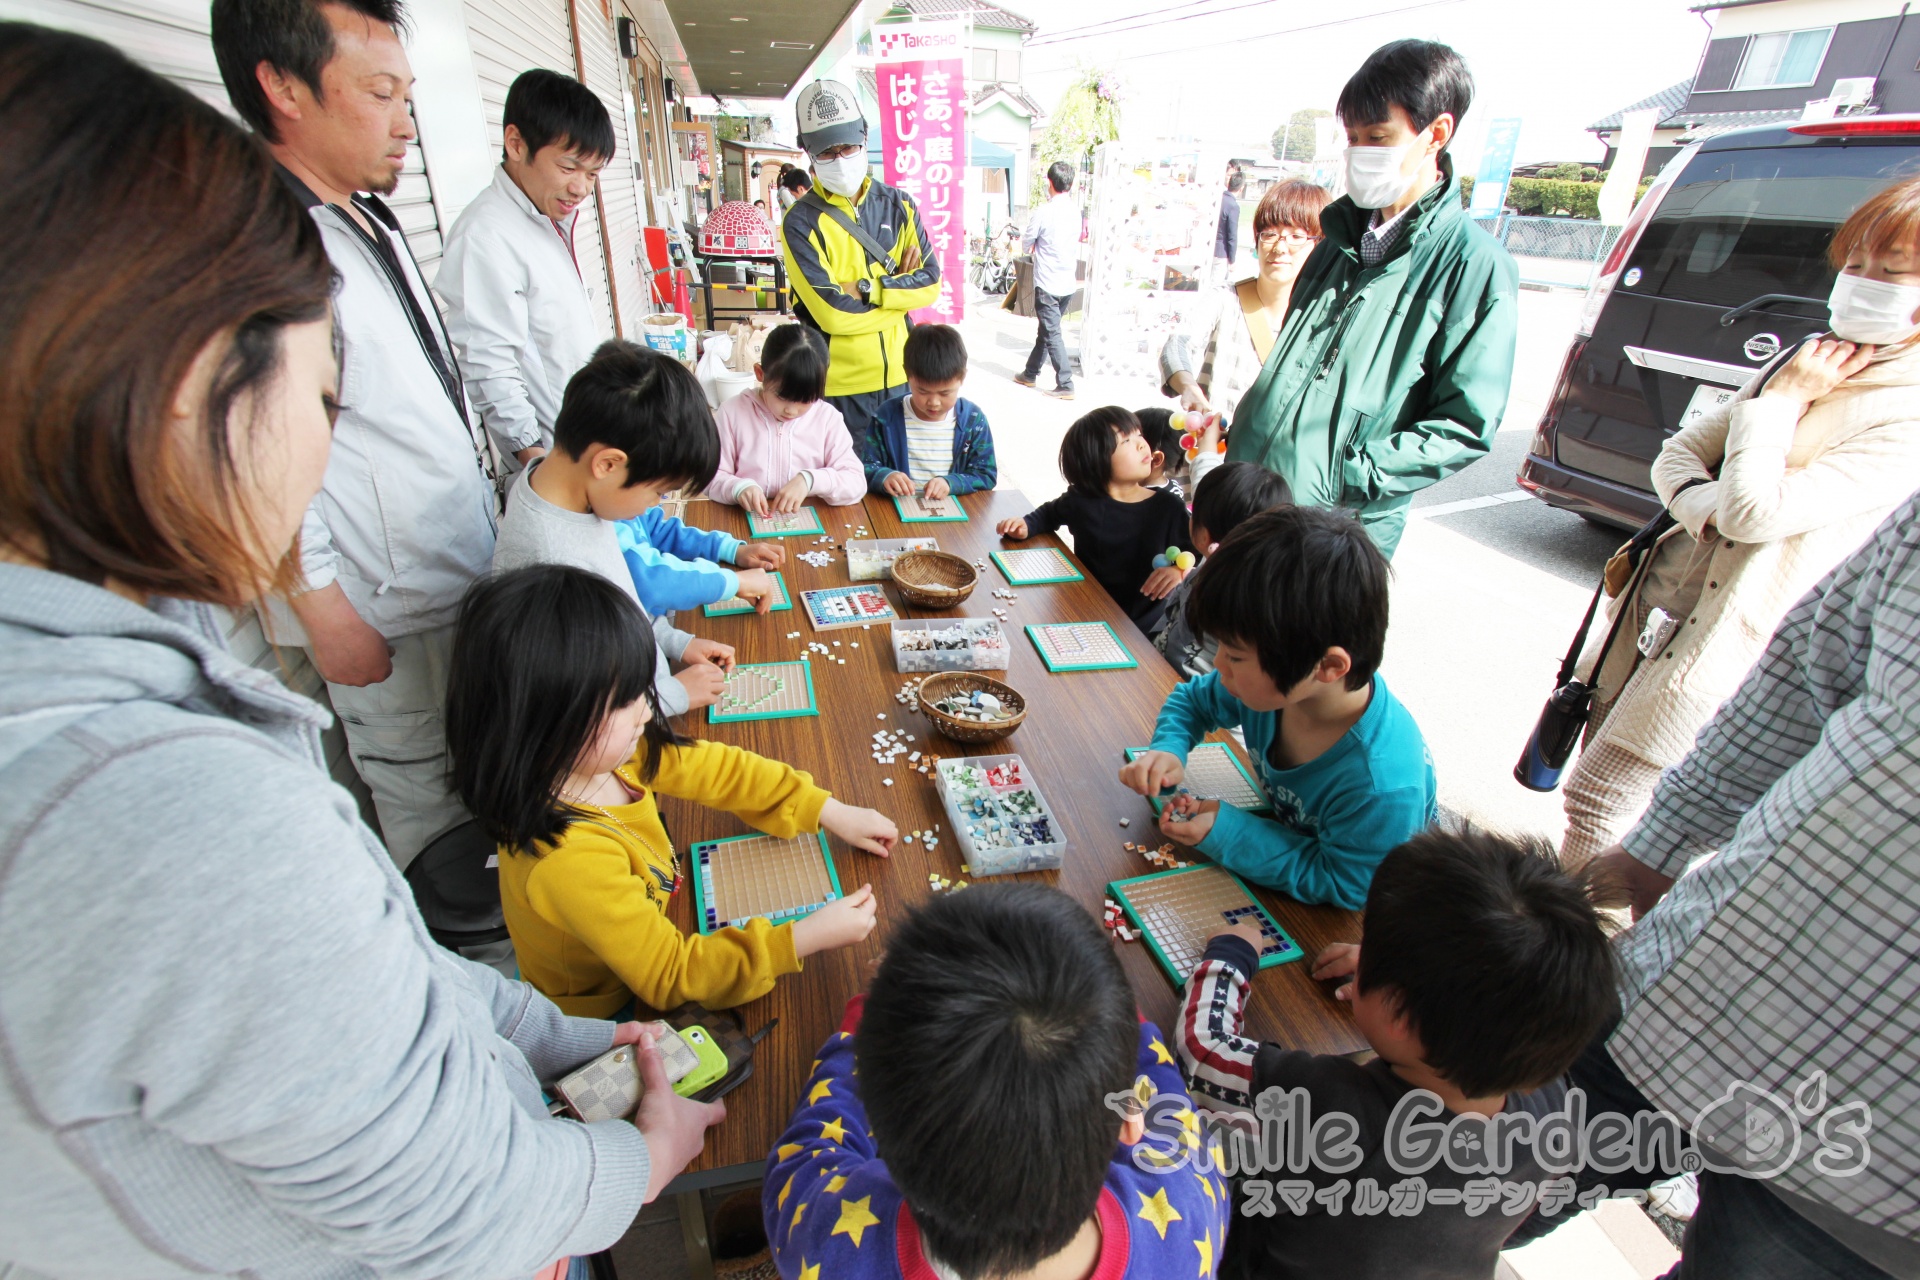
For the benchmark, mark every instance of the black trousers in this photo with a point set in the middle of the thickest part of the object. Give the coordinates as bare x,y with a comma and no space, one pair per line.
1740,1231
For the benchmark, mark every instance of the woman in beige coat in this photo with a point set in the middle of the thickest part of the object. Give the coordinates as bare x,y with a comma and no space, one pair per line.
1770,492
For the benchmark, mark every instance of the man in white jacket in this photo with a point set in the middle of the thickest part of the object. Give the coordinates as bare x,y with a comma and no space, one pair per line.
405,521
517,304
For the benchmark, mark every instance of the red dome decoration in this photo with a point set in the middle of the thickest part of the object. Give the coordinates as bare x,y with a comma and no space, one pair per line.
737,229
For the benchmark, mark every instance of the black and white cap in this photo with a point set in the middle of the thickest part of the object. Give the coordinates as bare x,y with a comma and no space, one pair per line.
829,116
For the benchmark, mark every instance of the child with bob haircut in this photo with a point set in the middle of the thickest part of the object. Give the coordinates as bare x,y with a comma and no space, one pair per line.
781,441
558,749
978,1111
1297,600
1481,974
931,439
1118,524
1223,500
633,425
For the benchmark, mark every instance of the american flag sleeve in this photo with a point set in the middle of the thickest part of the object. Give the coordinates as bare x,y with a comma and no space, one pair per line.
1217,1058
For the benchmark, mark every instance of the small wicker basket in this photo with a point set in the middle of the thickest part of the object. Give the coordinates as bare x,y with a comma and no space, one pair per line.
955,683
934,579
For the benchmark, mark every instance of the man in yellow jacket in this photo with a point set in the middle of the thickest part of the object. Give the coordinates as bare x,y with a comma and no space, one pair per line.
858,298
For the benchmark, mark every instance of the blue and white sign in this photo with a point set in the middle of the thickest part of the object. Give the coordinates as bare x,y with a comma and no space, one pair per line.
1496,168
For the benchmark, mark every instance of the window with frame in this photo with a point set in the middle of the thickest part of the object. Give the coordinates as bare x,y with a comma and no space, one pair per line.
1781,59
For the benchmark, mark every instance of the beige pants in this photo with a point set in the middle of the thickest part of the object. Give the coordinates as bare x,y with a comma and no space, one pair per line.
1606,793
396,735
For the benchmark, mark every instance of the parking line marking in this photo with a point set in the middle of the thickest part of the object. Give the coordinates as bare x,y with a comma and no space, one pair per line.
1471,504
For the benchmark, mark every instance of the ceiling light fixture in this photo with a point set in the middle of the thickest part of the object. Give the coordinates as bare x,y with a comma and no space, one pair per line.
736,51
801,46
736,19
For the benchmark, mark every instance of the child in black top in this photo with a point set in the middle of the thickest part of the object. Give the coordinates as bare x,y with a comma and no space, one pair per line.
1480,975
1170,468
1225,498
1118,524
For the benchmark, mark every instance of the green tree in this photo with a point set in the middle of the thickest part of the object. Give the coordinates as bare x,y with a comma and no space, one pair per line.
1296,139
1087,115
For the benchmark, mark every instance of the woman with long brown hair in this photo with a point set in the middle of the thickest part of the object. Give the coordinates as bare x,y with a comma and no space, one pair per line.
230,1045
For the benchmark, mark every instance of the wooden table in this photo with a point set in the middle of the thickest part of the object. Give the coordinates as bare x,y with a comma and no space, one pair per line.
1076,728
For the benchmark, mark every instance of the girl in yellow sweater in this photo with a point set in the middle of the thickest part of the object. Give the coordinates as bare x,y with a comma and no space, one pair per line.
558,748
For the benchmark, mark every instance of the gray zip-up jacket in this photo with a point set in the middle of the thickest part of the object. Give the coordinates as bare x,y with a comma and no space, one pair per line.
227,1045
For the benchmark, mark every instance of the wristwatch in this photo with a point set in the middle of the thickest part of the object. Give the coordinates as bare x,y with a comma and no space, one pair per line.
865,289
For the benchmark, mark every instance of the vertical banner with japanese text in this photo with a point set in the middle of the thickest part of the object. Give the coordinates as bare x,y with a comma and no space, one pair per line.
921,80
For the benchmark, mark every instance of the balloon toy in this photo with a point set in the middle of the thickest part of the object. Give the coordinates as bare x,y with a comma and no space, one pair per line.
1193,427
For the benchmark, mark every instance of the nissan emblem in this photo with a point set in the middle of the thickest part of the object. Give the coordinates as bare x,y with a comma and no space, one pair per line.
1762,346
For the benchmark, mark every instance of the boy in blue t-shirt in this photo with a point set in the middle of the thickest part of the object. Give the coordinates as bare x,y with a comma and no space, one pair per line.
930,440
1297,599
1010,1111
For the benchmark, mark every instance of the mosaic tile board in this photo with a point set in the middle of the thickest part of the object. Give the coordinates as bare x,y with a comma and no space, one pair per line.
1177,912
781,600
742,878
1215,773
765,691
914,509
1079,646
831,608
1036,566
793,523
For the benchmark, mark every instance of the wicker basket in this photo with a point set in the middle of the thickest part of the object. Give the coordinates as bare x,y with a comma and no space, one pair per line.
951,683
934,579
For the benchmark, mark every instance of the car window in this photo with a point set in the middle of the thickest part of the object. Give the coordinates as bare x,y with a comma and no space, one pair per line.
1742,223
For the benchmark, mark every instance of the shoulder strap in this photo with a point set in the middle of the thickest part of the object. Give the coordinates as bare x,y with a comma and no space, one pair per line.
1636,550
814,200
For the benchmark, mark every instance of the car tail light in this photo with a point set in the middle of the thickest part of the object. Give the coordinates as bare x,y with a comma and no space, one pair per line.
1542,446
1602,287
1857,126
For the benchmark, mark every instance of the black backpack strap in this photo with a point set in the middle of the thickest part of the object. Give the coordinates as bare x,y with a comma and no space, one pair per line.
814,200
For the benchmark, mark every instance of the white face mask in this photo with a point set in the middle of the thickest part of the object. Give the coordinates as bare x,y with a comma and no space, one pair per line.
1374,179
1876,311
843,176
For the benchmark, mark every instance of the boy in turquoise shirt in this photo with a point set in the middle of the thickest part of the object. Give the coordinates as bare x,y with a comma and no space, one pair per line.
1297,599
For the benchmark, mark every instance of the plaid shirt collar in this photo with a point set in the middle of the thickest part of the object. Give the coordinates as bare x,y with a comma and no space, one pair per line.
1382,236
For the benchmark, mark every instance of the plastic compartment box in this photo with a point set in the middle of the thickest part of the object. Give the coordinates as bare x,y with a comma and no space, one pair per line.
984,649
963,791
872,559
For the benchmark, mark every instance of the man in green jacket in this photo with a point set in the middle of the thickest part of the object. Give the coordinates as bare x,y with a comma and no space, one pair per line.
1392,369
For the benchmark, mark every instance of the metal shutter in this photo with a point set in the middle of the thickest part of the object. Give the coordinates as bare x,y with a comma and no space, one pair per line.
603,71
511,36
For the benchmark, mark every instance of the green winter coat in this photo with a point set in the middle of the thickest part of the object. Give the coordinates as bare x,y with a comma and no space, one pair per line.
1387,379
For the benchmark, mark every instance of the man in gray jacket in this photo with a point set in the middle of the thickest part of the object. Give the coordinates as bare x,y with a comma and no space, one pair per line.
405,522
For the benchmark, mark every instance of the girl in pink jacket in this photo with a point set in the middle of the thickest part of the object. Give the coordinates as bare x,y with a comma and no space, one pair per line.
781,441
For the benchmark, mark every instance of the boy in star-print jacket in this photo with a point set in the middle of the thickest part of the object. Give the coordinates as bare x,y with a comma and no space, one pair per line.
1009,1108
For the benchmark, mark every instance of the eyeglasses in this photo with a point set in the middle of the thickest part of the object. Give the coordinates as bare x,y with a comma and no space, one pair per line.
840,152
1286,239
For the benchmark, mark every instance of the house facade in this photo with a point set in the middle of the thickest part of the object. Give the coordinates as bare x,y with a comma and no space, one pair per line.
1775,61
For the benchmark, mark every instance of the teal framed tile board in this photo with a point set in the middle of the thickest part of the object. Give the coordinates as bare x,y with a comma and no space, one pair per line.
742,878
